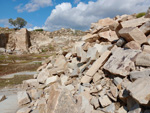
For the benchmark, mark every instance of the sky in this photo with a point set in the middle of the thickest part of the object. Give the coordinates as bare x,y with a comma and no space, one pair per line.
52,15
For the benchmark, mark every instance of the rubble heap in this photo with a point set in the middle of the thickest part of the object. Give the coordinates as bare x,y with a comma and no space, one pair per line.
106,72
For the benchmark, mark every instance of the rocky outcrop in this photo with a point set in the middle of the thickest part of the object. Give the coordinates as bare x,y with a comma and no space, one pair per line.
107,71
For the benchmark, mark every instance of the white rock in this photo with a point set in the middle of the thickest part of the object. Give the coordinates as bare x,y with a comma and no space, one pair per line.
51,80
23,98
104,101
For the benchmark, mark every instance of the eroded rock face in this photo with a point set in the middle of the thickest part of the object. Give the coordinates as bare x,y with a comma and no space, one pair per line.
139,90
19,41
121,62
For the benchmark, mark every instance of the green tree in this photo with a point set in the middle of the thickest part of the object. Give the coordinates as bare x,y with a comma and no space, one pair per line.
18,23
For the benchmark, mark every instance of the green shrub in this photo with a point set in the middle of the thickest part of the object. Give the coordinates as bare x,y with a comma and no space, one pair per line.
140,14
38,30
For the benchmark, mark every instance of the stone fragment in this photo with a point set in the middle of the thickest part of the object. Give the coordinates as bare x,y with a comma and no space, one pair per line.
42,105
64,79
117,81
102,48
97,77
92,53
121,42
42,76
104,101
114,91
109,109
134,75
82,54
24,110
98,63
109,35
23,98
51,80
30,83
122,110
2,98
68,55
121,62
106,22
145,28
139,90
134,22
61,101
33,93
137,110
143,59
133,34
94,102
60,62
86,79
146,48
90,37
133,45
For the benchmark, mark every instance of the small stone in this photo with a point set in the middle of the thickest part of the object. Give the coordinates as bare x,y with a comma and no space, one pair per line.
64,79
2,97
94,102
114,91
121,42
145,28
97,77
24,110
23,98
146,48
99,87
133,45
104,101
51,80
109,109
86,79
122,110
117,81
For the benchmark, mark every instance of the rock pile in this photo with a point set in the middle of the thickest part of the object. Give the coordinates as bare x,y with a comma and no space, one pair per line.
106,72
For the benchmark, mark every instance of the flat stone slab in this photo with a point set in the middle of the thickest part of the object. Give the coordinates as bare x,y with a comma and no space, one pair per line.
121,62
140,90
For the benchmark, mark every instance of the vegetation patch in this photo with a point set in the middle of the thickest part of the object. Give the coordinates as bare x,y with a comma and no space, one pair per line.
14,81
140,14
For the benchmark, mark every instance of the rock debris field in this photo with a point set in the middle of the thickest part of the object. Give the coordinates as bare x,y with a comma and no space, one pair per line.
107,71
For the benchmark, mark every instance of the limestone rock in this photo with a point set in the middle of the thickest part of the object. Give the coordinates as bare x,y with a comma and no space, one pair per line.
134,75
86,79
133,34
94,102
121,62
104,101
109,35
23,98
60,101
24,110
92,53
51,80
146,48
134,22
117,81
139,90
143,59
110,109
121,42
98,63
31,83
42,106
133,45
42,76
60,62
145,28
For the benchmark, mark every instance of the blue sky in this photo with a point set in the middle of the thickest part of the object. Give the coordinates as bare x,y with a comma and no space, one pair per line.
77,14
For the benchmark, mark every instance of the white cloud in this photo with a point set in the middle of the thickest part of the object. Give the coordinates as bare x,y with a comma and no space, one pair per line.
4,22
81,16
33,5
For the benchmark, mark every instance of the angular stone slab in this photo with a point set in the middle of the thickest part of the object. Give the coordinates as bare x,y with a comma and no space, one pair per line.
98,63
133,34
140,90
121,62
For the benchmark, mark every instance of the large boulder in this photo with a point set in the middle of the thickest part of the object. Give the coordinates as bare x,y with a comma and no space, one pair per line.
140,90
134,22
121,62
133,34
